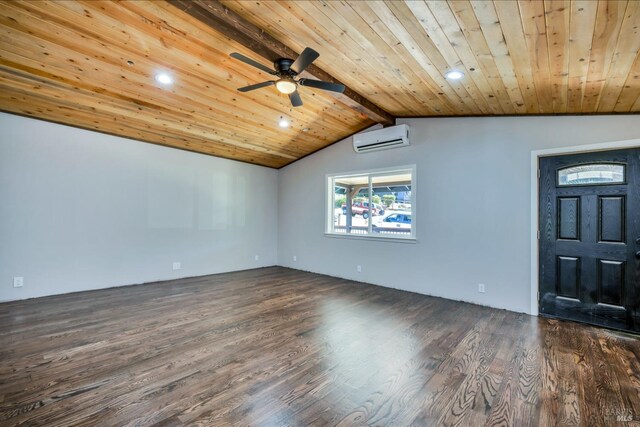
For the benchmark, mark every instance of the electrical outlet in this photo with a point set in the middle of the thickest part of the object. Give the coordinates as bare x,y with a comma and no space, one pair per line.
18,282
256,257
481,288
359,268
176,266
295,258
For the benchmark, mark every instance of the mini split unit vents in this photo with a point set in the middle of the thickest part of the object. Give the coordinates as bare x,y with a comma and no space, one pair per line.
382,139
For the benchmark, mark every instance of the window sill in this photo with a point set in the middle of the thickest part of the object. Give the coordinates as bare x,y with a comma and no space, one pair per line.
412,240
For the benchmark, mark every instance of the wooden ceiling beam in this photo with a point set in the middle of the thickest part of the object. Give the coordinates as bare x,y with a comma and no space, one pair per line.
232,25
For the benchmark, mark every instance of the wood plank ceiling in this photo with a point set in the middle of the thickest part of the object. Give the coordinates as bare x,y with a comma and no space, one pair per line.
68,62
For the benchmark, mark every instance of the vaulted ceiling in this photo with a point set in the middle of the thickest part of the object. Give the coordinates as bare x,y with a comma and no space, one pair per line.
91,64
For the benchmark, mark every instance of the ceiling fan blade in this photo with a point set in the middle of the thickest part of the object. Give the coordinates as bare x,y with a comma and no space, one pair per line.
250,61
295,99
305,59
256,86
334,87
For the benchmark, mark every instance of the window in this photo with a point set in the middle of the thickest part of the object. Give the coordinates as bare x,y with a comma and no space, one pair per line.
600,173
377,203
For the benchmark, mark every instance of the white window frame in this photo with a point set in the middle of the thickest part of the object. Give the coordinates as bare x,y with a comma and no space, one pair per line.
370,173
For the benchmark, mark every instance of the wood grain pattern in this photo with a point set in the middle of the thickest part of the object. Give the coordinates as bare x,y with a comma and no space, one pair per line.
276,346
588,242
67,62
519,57
236,28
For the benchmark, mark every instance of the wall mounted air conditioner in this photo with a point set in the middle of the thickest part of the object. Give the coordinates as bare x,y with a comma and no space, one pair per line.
381,139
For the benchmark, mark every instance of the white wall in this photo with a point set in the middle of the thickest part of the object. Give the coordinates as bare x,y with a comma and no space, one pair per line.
473,206
81,210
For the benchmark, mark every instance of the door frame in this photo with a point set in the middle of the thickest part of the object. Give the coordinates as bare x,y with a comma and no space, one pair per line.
535,198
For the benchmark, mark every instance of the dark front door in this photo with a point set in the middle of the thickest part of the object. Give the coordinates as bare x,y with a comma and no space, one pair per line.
590,238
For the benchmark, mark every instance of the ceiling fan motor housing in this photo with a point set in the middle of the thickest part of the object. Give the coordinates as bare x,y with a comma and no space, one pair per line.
283,67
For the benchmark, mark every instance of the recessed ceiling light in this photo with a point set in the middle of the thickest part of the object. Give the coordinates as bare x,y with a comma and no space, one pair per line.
454,75
164,78
283,123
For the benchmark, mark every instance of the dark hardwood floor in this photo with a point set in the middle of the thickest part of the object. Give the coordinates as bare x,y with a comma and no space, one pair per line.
275,347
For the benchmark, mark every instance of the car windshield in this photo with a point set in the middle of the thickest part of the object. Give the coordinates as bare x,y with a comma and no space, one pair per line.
403,218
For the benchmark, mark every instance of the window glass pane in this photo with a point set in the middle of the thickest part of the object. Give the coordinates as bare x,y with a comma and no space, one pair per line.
353,218
394,191
378,204
604,173
339,204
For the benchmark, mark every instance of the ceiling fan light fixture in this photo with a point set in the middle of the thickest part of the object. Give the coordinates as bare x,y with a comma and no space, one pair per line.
286,86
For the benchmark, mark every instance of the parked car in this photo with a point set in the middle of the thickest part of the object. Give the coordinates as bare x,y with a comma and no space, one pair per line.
396,221
362,208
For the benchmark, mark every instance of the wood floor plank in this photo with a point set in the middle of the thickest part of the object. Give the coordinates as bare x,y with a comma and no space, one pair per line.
276,346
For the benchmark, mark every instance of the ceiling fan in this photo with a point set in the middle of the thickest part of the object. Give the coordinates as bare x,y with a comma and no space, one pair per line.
287,70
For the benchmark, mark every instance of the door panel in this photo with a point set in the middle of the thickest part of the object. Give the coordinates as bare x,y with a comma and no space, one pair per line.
569,218
611,282
611,214
568,279
590,238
